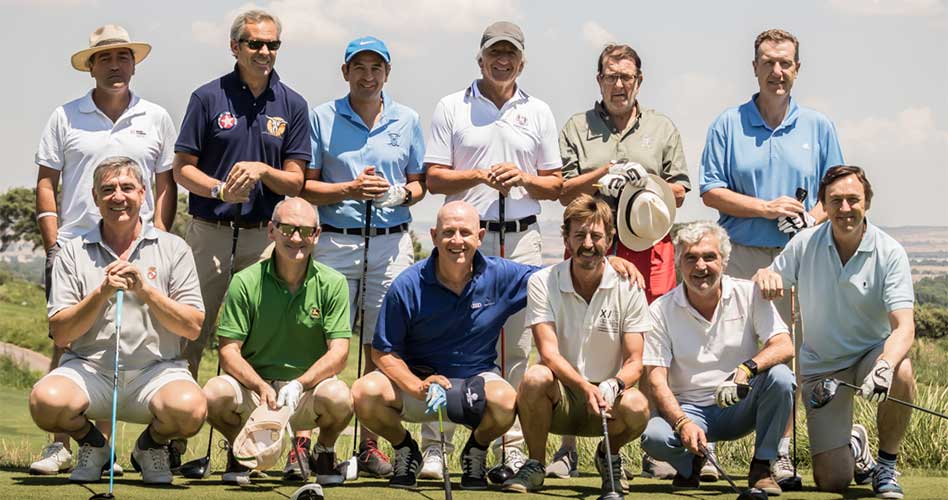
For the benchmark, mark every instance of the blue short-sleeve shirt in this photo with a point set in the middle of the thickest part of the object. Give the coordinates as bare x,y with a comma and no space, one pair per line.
745,155
343,146
431,327
225,124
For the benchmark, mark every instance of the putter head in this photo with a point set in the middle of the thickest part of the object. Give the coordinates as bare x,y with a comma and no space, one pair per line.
311,491
791,484
499,474
99,496
823,393
610,496
199,468
753,494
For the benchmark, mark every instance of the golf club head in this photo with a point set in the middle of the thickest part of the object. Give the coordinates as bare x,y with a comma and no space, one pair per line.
753,494
823,393
199,468
499,474
791,484
99,496
610,496
349,469
311,491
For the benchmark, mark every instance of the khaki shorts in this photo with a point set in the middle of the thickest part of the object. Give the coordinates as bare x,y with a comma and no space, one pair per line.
136,388
829,427
247,401
413,410
570,416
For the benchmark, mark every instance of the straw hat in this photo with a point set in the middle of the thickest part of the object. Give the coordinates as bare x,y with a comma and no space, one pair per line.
108,37
259,445
646,214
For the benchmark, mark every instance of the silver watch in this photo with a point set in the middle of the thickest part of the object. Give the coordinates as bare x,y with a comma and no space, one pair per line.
216,191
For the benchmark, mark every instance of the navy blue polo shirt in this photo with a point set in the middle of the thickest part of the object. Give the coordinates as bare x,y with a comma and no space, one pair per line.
429,326
225,124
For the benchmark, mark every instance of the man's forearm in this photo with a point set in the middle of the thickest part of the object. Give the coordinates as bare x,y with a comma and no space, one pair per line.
397,371
326,193
777,351
46,203
563,370
897,346
75,321
180,319
166,200
288,182
543,187
234,364
328,365
734,204
661,394
581,184
190,177
446,180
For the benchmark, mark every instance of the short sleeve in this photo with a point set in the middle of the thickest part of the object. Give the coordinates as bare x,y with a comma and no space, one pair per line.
416,155
439,142
831,154
336,311
538,303
315,141
899,292
49,152
713,169
193,128
166,127
238,313
184,286
296,144
787,262
636,317
658,347
568,154
549,154
767,321
66,288
674,168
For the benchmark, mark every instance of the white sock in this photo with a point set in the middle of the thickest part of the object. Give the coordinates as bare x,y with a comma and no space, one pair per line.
783,448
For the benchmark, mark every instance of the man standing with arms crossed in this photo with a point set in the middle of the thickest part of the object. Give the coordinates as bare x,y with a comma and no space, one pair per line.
109,120
756,157
488,141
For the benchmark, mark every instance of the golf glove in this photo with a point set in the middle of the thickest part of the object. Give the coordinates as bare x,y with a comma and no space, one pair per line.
727,394
611,185
290,395
437,398
793,225
875,387
634,174
610,391
394,197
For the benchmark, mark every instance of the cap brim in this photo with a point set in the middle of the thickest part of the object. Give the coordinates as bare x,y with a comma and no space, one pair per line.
80,60
385,57
516,43
629,239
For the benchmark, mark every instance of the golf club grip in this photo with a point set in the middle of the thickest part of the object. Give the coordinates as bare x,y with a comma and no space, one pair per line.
502,219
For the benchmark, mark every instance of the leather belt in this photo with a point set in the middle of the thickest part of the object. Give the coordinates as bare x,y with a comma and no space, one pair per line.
514,226
358,231
227,223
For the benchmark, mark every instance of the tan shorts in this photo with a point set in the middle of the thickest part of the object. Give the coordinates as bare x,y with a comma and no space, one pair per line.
829,427
413,410
570,416
135,387
247,401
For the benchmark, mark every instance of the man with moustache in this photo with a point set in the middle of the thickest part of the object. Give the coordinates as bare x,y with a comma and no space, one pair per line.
857,301
488,141
109,120
284,336
756,157
366,147
707,376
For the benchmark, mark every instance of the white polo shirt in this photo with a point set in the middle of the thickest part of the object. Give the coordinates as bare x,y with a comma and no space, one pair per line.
469,132
79,136
589,335
700,354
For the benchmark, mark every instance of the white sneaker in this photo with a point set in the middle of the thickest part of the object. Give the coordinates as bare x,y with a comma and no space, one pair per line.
564,464
515,458
155,464
862,472
432,464
782,468
55,459
89,463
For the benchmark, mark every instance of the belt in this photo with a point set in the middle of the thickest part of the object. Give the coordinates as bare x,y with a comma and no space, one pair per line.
514,226
359,231
227,223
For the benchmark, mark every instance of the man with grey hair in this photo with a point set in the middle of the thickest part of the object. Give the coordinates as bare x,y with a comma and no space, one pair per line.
162,303
709,380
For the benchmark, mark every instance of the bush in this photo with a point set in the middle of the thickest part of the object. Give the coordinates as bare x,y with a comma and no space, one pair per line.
931,321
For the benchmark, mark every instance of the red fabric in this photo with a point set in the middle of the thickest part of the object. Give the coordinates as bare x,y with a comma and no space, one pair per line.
657,265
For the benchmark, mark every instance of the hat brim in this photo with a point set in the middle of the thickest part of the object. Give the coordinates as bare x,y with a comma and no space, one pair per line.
80,60
628,238
385,57
516,43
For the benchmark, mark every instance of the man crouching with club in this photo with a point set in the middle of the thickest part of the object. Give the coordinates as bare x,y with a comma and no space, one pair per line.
162,304
284,336
709,379
588,329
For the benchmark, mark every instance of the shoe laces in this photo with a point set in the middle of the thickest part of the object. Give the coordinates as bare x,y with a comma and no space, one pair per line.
86,452
404,465
433,451
884,473
158,458
372,450
474,462
52,449
529,468
783,462
616,466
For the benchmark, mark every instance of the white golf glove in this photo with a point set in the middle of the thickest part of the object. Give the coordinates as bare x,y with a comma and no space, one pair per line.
726,393
609,389
290,395
394,197
793,225
635,174
875,387
611,185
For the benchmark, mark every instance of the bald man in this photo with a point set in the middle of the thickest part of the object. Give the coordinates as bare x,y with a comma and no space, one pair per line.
284,336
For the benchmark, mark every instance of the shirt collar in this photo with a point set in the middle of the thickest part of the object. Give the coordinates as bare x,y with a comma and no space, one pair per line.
269,266
87,105
679,295
344,108
600,109
565,277
519,94
793,111
429,270
866,244
233,79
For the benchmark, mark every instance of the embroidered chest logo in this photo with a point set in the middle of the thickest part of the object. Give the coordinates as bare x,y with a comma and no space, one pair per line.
137,132
314,313
393,139
152,273
226,120
646,142
520,120
276,126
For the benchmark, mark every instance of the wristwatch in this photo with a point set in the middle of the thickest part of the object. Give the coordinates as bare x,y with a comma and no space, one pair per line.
619,383
408,197
752,366
216,191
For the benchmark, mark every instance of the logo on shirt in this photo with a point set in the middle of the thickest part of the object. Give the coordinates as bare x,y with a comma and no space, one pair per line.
226,120
521,120
471,397
137,132
646,142
276,126
152,273
806,146
478,305
393,139
607,321
314,313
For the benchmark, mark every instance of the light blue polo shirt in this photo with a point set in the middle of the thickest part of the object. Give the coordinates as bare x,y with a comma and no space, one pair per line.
745,155
845,308
343,146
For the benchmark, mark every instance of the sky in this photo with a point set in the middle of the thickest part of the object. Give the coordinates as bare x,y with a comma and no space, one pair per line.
877,68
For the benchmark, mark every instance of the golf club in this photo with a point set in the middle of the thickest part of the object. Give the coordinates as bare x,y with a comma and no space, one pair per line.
612,495
119,300
794,483
311,491
351,470
826,391
501,472
200,468
444,463
748,494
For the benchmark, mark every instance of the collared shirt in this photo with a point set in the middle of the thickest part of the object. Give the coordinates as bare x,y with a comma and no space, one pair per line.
845,308
430,327
745,155
468,132
164,261
78,136
225,124
284,332
343,146
700,354
589,335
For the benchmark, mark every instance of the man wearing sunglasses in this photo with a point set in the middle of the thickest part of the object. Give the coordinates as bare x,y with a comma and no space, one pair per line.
284,336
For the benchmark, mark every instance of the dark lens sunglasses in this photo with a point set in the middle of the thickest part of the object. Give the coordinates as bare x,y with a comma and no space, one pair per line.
289,229
258,44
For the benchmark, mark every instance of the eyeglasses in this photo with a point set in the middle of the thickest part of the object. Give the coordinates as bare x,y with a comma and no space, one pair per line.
289,229
273,45
611,79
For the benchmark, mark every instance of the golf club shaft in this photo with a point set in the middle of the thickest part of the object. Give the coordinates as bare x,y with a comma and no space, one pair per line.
714,463
299,463
367,228
444,457
119,301
608,450
899,401
502,236
793,367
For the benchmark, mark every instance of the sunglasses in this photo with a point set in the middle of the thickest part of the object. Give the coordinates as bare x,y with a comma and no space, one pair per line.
258,44
289,229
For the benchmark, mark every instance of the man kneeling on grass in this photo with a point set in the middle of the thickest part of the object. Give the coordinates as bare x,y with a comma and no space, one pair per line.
588,328
162,304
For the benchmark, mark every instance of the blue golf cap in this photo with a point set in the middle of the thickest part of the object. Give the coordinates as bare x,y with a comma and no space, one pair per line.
367,43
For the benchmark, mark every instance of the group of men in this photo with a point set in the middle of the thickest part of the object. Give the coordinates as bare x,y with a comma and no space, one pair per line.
300,231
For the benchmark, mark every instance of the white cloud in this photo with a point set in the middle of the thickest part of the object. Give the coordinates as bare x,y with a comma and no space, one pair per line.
911,128
889,7
597,36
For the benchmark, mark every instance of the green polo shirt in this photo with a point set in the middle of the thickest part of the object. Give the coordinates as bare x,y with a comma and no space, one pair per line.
284,333
589,140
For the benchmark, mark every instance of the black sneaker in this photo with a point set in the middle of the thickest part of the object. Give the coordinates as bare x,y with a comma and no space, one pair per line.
609,483
694,480
235,473
473,466
324,465
406,465
372,462
298,461
176,448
